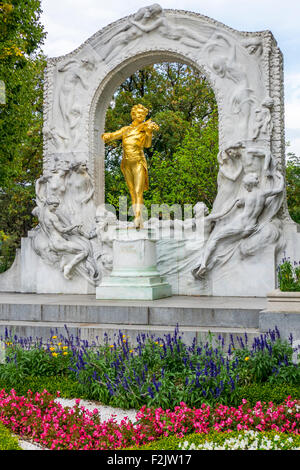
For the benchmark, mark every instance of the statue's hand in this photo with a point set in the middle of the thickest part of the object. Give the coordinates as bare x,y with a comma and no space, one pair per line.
106,136
152,126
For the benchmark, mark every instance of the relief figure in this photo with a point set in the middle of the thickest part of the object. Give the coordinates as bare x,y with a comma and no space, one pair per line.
246,210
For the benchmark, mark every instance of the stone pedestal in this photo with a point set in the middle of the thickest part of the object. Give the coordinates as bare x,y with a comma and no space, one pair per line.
134,274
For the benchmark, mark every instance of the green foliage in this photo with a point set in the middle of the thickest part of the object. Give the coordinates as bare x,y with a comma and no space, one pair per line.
268,361
21,70
8,245
266,392
193,166
235,440
293,186
186,146
65,385
7,441
289,276
34,362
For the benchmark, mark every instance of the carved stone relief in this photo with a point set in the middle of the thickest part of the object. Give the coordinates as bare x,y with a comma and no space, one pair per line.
66,214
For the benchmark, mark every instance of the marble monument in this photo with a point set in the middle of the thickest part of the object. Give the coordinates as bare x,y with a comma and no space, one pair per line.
76,248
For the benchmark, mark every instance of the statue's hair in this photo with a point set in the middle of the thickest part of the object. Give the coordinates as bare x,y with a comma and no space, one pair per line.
75,165
155,8
139,106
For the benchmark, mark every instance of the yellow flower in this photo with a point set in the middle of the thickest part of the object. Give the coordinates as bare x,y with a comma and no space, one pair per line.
65,353
247,358
52,349
54,354
131,351
65,347
59,344
111,346
54,337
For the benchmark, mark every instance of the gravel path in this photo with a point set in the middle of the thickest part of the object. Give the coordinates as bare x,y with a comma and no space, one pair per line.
106,412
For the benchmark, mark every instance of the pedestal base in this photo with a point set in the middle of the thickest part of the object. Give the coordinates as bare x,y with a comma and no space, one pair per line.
120,288
134,275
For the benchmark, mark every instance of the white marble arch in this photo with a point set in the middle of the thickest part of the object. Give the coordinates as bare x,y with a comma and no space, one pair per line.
243,68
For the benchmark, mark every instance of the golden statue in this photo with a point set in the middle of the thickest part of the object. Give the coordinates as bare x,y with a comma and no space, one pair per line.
134,165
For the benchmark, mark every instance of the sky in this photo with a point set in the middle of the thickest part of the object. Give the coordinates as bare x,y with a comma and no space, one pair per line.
68,23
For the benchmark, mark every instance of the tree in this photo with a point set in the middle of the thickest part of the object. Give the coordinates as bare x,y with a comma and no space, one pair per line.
293,186
21,70
191,175
184,150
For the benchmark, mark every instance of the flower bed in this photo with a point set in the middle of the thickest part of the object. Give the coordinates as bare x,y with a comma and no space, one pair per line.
156,372
235,440
39,418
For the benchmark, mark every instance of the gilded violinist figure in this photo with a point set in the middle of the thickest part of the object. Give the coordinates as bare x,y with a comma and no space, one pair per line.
135,137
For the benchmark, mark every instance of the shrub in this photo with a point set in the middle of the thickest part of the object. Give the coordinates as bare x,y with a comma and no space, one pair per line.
266,392
289,276
7,441
269,359
67,387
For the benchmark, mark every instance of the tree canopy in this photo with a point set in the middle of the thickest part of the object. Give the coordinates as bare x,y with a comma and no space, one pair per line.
293,186
21,71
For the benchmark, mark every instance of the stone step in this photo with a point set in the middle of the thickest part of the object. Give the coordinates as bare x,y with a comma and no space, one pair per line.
97,332
182,310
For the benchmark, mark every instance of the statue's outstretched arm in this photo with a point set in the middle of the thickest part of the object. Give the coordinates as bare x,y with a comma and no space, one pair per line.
278,190
222,214
147,29
110,136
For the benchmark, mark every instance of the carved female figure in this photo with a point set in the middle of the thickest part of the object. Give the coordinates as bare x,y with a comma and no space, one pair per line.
230,174
80,191
53,182
263,125
226,65
74,80
151,18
